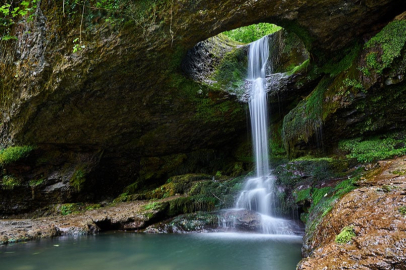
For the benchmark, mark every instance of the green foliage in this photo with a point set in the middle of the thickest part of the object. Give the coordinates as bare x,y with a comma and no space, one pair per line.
152,206
319,193
354,83
111,5
251,33
77,47
8,37
372,61
93,206
34,183
346,235
299,68
323,200
402,210
67,209
390,41
375,148
10,182
121,198
75,208
11,12
14,153
311,158
78,179
302,195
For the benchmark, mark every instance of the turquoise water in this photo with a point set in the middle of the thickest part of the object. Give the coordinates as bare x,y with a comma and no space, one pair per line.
116,251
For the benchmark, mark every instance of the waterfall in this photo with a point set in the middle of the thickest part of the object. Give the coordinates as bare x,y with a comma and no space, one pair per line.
258,193
257,62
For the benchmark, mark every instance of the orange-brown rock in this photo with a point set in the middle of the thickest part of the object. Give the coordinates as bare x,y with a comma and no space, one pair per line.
374,211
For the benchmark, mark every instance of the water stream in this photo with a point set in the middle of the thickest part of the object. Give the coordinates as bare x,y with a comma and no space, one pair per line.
259,194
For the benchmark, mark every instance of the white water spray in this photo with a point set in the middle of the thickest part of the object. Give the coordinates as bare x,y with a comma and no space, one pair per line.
258,193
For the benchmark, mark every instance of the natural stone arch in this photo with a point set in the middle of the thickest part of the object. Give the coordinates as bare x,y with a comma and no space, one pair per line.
324,26
124,94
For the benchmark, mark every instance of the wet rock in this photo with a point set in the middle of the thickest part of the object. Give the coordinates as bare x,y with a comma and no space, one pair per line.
241,220
124,98
122,216
377,220
195,222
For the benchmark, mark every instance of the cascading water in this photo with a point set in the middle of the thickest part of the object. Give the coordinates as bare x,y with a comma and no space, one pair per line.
258,193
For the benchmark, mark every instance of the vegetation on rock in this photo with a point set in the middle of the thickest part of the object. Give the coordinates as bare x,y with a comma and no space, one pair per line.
14,153
248,34
374,148
10,182
386,46
346,235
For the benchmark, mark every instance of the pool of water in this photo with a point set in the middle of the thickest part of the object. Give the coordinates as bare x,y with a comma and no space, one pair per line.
116,251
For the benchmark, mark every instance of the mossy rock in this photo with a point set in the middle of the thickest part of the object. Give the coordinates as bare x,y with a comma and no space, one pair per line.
346,235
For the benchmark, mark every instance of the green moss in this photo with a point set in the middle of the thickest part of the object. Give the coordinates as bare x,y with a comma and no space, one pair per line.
10,182
402,210
231,72
388,188
14,153
320,193
121,198
152,206
375,148
324,169
93,206
192,204
353,83
387,44
346,235
311,158
303,121
342,61
78,179
34,183
75,208
303,195
70,208
323,200
399,172
300,68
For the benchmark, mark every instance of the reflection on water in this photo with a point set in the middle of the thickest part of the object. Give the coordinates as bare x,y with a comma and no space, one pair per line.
155,252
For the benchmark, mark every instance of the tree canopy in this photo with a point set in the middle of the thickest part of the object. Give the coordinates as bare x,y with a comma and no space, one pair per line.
252,32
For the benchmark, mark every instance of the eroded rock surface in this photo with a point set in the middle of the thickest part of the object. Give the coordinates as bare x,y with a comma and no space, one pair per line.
124,216
375,212
124,97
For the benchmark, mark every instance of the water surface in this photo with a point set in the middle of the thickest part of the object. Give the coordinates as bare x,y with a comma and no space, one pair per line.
116,251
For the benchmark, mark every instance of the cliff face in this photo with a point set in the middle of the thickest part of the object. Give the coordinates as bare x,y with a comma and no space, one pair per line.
118,109
104,104
366,228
